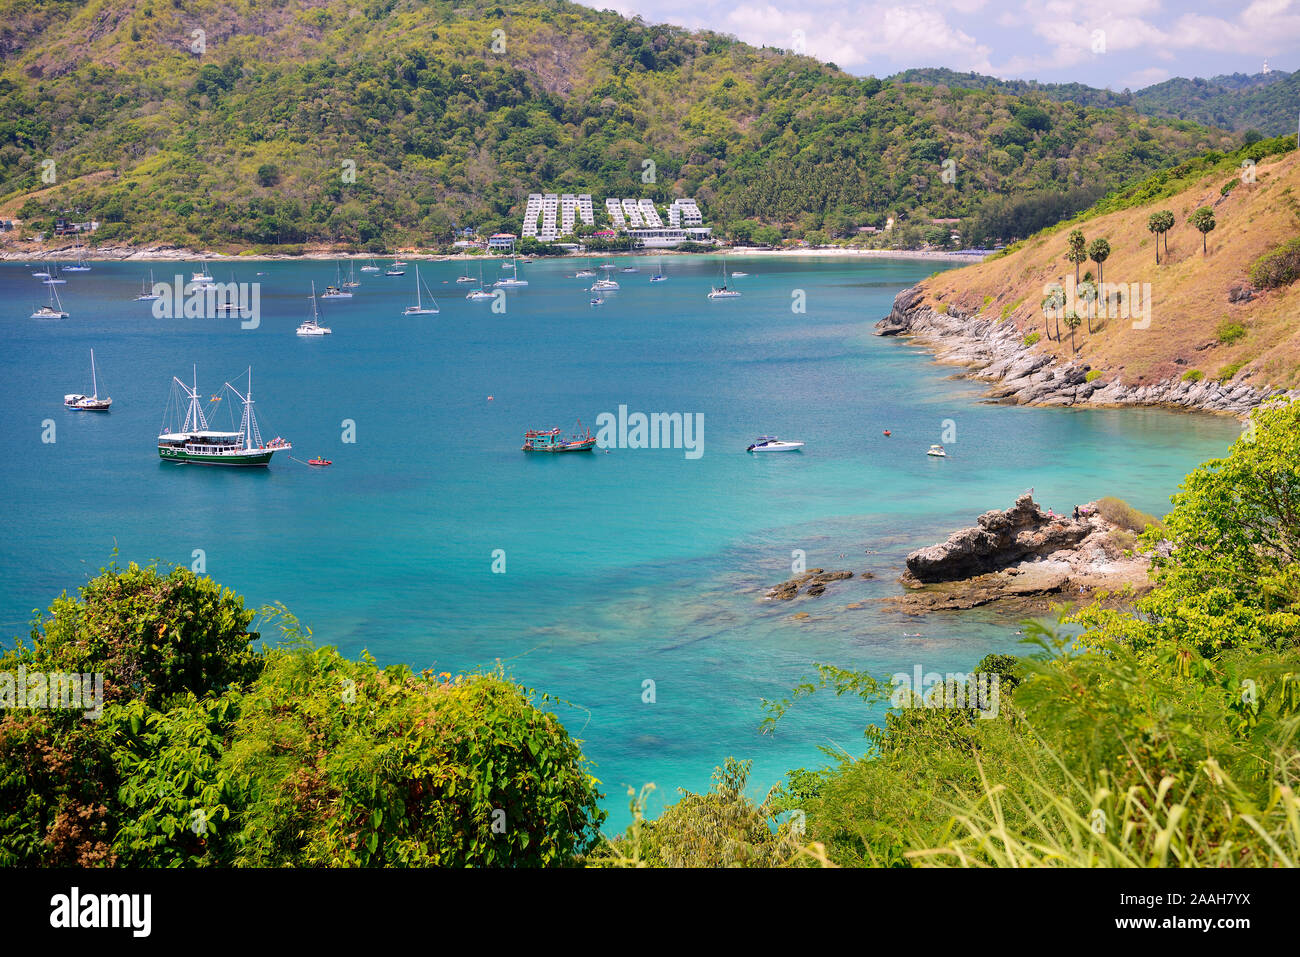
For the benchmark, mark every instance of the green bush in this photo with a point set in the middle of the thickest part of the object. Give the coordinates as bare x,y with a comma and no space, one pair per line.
1228,371
1093,375
1230,332
1279,266
1193,375
1032,338
1120,513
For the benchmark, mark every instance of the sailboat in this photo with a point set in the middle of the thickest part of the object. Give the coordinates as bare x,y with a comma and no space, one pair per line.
43,274
231,301
312,326
146,290
606,284
371,267
80,265
511,282
420,309
586,272
53,278
201,277
53,311
88,403
196,444
659,274
352,276
480,292
722,292
397,269
337,291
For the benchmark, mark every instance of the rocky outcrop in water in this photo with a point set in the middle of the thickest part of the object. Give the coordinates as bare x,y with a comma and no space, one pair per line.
996,352
811,583
1026,556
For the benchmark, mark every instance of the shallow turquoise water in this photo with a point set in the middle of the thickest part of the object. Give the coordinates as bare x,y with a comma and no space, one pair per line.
620,568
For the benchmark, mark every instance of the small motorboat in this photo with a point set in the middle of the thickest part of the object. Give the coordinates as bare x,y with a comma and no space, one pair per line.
598,301
770,443
937,451
466,279
734,275
319,462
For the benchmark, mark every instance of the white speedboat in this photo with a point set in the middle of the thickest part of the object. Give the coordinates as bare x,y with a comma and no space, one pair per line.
770,443
598,301
311,326
88,403
465,279
420,309
937,451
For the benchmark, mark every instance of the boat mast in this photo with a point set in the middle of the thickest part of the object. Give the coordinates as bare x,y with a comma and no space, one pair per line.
94,381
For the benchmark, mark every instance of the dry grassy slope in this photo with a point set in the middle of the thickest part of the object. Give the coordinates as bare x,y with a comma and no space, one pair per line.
1189,291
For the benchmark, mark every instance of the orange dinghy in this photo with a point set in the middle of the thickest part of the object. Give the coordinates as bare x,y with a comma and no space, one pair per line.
318,461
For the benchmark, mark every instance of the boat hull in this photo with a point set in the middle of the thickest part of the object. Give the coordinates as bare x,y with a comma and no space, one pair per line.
586,445
253,459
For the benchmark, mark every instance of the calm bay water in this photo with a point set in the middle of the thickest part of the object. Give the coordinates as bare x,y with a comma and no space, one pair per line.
623,567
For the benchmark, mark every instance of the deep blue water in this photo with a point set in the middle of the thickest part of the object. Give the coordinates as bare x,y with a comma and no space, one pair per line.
620,567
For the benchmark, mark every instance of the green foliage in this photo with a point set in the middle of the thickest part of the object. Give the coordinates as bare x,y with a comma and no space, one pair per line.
1120,513
1093,375
1278,267
1203,221
1229,332
1228,371
210,753
1193,375
1032,338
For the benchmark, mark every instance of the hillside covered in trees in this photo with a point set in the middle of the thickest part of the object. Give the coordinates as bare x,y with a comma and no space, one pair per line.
250,125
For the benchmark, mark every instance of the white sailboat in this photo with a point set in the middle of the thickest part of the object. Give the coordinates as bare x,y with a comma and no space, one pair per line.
311,326
79,265
420,309
371,267
201,277
722,292
352,276
53,311
510,282
606,284
336,291
659,274
53,278
146,290
480,293
92,402
585,273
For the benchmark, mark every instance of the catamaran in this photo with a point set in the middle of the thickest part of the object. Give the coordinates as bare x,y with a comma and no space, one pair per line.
79,265
53,311
606,284
88,403
146,290
420,309
311,326
722,292
336,291
510,282
196,444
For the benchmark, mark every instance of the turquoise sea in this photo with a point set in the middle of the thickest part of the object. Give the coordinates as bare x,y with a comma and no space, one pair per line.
623,567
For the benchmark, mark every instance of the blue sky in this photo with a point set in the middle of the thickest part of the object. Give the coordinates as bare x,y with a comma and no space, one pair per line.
1107,43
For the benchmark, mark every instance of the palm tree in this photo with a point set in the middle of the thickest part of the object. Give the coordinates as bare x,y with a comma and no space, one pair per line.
1154,222
1167,222
1203,220
1073,321
1088,296
1053,304
1098,250
1076,253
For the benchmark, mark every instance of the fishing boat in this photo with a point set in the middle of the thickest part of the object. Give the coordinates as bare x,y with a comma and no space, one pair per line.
52,311
370,267
770,443
311,326
397,269
420,309
146,290
722,292
606,284
937,451
659,274
79,265
194,443
336,291
510,282
536,440
92,402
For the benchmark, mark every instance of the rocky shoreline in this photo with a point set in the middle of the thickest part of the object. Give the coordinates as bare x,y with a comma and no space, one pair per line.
995,352
1026,557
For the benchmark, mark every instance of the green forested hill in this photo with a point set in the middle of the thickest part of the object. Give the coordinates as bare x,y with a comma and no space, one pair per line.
247,141
1264,102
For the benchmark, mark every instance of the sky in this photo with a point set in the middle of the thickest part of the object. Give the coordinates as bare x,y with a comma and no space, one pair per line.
1104,43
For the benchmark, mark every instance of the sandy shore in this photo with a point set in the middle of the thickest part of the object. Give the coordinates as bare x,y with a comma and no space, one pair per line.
28,252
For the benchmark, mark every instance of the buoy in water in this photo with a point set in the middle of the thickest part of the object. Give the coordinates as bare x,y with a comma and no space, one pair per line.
888,433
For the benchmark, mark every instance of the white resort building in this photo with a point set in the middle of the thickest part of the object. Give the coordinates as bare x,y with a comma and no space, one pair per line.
550,216
558,215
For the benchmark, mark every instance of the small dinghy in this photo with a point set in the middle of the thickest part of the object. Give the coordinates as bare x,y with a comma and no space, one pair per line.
319,462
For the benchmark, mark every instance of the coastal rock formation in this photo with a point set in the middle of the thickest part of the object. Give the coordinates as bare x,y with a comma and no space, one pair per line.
1026,555
996,351
811,583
